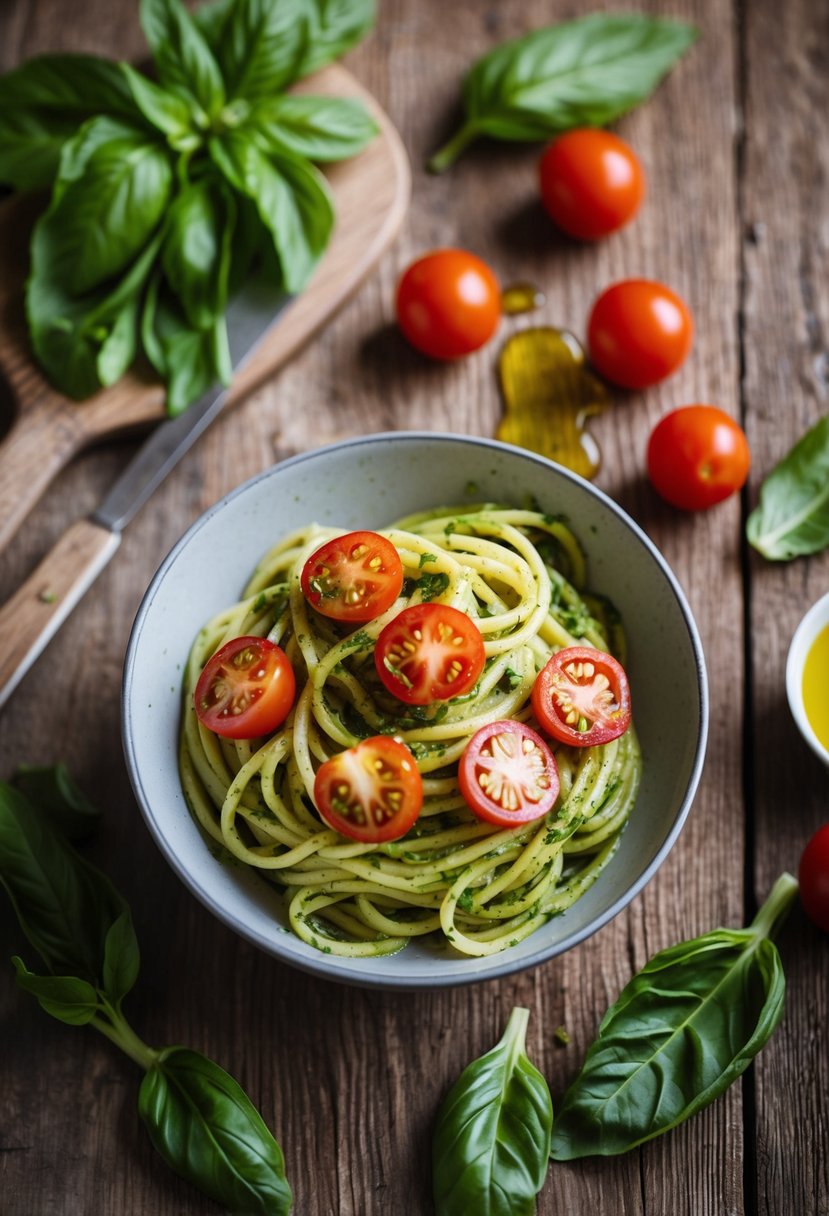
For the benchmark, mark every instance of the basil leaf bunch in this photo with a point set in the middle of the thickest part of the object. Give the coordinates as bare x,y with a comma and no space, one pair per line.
791,518
199,1119
579,73
165,192
684,1028
492,1136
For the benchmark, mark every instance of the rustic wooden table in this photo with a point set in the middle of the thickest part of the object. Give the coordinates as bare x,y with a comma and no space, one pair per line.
736,155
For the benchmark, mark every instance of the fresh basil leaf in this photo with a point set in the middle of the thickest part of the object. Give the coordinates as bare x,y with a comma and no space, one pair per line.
263,44
208,1131
211,20
168,112
122,959
58,798
65,997
190,360
681,1031
321,129
110,196
586,72
42,104
336,25
491,1140
791,518
65,906
292,197
84,343
182,57
196,250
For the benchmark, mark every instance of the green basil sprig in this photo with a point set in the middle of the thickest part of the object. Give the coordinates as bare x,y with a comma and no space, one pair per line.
199,1119
679,1034
586,72
57,796
791,518
165,192
492,1136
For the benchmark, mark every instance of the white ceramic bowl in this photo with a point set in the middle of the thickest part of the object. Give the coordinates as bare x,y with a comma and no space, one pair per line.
367,483
815,620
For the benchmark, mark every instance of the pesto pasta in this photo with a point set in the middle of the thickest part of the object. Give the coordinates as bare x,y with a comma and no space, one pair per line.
474,887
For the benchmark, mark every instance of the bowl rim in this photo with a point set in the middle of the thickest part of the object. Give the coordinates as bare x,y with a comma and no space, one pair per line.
329,966
811,624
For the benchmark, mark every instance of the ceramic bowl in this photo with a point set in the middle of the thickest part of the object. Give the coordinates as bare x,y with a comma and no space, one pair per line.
813,623
366,483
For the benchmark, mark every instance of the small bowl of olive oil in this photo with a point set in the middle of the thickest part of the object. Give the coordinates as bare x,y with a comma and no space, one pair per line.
807,678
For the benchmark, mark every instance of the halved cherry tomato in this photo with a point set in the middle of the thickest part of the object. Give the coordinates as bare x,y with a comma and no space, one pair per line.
638,333
355,577
371,792
582,697
591,182
448,303
507,774
246,689
429,652
697,456
813,875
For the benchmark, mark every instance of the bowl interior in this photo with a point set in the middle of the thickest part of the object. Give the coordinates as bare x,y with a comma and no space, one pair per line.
369,483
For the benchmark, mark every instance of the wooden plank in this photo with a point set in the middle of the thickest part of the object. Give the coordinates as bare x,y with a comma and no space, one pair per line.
786,317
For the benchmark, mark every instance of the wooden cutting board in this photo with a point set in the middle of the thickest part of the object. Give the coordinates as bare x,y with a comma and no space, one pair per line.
371,195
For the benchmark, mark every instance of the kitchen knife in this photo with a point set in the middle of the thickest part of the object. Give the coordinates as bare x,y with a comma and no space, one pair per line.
35,612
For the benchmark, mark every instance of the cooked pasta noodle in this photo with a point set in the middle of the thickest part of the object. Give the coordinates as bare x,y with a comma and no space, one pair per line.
481,888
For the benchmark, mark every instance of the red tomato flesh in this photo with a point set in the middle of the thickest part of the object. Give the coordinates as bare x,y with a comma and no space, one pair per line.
371,792
355,577
697,456
592,183
813,875
246,689
448,303
430,652
508,775
582,697
638,333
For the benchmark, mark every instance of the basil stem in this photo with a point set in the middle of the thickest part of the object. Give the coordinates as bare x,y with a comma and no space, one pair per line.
681,1031
578,73
492,1137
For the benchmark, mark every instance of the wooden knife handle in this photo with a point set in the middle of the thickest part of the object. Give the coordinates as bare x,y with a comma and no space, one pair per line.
40,606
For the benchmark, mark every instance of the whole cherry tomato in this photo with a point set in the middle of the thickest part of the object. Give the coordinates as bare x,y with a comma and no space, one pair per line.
448,303
813,876
697,456
638,333
592,183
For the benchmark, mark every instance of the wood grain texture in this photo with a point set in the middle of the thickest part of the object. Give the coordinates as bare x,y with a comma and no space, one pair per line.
348,1080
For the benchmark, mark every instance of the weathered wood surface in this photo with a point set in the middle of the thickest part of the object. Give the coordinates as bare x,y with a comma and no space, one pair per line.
735,150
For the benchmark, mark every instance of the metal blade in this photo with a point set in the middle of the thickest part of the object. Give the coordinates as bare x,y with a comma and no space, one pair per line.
249,317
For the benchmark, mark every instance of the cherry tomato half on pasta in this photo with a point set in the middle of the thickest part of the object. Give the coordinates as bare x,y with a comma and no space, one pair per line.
355,577
582,697
429,652
448,303
638,333
592,183
371,792
507,774
246,689
813,876
697,456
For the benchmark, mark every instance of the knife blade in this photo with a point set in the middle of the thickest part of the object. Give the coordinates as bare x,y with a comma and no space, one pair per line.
32,616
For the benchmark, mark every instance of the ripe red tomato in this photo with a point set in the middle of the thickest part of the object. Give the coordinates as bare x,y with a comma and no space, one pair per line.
448,303
697,456
429,652
355,577
638,333
246,689
813,875
371,792
508,775
582,697
591,183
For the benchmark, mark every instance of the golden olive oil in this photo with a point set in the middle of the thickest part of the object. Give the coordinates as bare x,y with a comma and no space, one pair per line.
522,297
816,686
